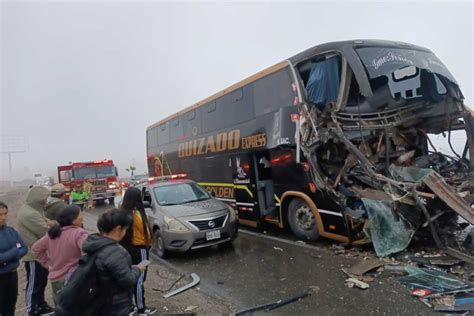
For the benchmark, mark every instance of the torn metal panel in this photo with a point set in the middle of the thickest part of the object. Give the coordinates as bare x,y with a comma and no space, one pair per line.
439,187
449,196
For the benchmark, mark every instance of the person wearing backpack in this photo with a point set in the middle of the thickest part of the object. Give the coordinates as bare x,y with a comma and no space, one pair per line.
61,248
12,248
102,283
137,241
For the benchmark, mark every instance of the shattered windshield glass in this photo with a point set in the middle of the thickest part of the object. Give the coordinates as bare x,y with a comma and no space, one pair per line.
381,61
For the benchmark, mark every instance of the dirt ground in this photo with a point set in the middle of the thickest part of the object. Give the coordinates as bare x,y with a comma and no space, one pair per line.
160,278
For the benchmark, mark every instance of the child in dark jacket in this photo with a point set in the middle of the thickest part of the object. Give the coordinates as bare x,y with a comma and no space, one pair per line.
113,261
12,249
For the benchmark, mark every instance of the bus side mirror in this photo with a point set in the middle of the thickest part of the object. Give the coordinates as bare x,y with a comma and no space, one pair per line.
116,172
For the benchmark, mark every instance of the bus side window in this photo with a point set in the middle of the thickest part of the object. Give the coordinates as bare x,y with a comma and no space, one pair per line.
323,82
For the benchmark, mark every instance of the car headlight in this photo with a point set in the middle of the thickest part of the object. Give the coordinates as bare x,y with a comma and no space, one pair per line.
232,214
175,225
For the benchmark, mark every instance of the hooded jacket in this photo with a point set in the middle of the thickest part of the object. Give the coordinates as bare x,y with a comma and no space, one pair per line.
31,222
114,265
53,207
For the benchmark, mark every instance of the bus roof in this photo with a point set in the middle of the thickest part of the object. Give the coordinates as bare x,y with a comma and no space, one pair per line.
346,47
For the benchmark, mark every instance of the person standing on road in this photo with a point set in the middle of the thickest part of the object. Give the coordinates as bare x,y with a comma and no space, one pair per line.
78,196
113,262
88,187
61,248
12,249
56,202
138,241
32,225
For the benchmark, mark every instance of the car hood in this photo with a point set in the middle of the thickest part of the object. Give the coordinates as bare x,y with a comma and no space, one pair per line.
194,208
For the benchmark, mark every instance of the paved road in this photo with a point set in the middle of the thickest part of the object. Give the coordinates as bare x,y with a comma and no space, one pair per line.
259,270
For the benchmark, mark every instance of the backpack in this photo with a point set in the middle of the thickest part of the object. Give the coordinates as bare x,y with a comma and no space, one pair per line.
83,293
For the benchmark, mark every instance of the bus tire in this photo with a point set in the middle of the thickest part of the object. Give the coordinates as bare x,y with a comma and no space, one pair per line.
301,220
159,245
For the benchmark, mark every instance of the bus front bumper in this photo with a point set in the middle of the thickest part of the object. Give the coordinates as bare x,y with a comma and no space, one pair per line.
103,195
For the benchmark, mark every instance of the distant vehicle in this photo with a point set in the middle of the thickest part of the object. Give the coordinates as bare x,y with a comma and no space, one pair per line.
43,181
103,174
184,216
137,178
124,183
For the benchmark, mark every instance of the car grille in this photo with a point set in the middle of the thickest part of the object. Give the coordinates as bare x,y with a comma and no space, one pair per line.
204,224
99,183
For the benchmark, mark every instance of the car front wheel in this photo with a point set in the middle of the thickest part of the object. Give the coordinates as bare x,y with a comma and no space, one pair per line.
159,245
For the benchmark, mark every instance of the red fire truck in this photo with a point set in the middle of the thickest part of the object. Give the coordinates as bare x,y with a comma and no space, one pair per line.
103,174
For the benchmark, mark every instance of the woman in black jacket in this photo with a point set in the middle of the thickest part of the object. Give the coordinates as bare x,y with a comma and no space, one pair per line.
113,261
137,241
12,249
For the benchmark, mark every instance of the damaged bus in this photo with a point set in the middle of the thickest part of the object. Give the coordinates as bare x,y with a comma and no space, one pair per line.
334,142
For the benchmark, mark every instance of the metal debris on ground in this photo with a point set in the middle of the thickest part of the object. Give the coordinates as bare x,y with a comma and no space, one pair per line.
190,308
351,282
365,266
277,248
194,282
271,306
439,290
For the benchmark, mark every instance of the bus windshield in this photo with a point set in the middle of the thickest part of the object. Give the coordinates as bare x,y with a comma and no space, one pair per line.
180,194
94,172
381,61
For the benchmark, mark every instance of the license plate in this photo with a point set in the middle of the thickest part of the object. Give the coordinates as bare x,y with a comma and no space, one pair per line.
213,234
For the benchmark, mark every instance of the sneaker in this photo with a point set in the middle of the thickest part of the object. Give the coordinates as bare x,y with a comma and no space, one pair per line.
146,311
46,310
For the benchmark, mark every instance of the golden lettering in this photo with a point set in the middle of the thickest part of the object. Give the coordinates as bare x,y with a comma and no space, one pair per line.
221,142
201,146
211,147
181,151
234,139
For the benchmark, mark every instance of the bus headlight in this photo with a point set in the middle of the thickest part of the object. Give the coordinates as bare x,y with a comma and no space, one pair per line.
175,225
232,214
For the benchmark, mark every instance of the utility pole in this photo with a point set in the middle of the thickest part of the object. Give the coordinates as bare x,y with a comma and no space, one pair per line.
12,144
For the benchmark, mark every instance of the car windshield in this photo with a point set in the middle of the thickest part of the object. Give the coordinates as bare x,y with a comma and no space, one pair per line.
94,172
180,193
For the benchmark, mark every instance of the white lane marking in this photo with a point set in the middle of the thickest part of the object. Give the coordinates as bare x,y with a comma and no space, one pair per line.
284,241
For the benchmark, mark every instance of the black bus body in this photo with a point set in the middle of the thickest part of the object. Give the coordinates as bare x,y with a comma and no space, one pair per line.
301,143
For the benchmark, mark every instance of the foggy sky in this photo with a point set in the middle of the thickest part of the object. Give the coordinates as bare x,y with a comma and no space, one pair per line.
83,80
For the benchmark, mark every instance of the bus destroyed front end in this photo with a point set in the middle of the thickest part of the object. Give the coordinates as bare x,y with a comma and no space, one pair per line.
375,156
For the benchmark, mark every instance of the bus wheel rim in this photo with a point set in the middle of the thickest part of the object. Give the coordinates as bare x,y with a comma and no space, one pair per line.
304,217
